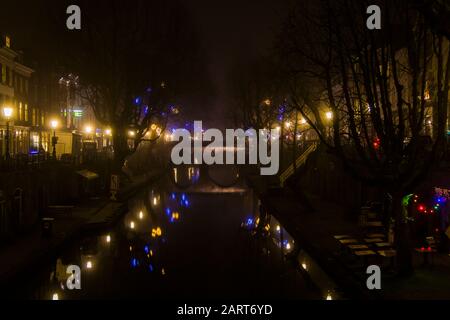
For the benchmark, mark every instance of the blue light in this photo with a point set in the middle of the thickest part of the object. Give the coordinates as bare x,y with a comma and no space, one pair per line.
183,197
173,196
441,199
168,211
249,221
146,249
134,262
186,203
150,267
137,100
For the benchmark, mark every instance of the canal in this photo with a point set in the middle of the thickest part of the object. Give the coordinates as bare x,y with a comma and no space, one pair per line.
189,235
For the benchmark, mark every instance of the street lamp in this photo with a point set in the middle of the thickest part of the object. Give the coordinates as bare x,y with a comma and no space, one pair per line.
7,113
329,115
54,125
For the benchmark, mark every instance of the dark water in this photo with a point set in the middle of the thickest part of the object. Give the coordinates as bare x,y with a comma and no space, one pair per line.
183,239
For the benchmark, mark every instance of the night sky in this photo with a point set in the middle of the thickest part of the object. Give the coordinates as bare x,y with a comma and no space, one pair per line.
230,31
235,30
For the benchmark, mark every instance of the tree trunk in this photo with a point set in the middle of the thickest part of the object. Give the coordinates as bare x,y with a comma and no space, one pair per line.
121,151
403,242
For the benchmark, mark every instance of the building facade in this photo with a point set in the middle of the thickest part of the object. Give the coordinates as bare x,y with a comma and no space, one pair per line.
16,93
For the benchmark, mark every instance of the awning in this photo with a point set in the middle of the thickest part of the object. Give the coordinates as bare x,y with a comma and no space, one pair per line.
89,175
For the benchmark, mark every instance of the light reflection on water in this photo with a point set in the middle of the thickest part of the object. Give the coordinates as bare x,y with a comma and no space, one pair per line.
175,243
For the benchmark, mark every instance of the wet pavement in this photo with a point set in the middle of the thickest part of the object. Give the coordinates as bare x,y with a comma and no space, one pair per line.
186,236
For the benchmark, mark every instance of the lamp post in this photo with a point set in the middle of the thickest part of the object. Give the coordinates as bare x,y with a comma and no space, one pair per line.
54,125
108,134
7,113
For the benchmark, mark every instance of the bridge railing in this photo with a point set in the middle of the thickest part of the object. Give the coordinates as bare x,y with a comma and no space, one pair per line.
298,163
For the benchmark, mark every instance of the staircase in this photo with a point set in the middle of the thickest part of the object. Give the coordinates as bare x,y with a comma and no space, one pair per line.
298,163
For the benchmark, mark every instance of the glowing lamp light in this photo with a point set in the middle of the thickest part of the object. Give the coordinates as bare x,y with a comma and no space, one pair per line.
88,129
287,124
303,121
108,238
175,216
304,266
141,215
54,124
288,246
421,208
156,232
55,296
89,265
131,133
329,115
7,112
278,228
132,224
267,102
108,132
329,297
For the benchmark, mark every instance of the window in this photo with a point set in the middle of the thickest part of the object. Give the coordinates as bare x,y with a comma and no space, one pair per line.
33,117
20,111
8,42
26,112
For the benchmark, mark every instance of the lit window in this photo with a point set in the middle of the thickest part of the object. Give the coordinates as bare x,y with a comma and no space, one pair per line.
26,112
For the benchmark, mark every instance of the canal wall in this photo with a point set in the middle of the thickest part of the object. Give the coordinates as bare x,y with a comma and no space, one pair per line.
25,195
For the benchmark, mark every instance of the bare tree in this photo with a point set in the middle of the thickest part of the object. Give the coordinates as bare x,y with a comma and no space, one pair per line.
135,61
374,90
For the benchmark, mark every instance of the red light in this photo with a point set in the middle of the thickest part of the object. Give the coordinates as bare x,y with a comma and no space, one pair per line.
422,249
376,143
429,248
421,208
